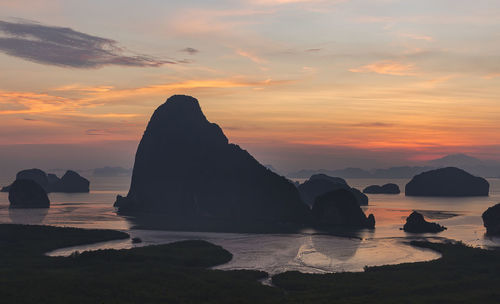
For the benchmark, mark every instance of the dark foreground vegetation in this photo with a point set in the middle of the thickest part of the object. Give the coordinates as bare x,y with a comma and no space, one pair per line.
179,273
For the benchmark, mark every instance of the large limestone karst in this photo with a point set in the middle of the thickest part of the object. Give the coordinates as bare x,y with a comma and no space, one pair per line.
186,168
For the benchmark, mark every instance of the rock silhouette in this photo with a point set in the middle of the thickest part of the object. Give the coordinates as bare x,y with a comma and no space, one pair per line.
447,182
320,184
26,193
416,223
53,179
321,176
37,175
491,220
185,168
385,189
71,182
340,208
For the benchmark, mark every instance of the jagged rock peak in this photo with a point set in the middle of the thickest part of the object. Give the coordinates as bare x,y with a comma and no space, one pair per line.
186,168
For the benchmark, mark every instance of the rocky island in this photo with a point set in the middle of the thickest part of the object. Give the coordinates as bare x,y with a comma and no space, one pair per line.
449,181
385,189
339,208
416,223
71,182
491,220
26,193
185,169
319,184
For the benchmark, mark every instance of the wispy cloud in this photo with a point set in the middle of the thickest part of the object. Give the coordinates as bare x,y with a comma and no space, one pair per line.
387,67
432,83
250,56
190,51
215,22
66,47
491,76
101,132
71,99
375,124
417,37
282,2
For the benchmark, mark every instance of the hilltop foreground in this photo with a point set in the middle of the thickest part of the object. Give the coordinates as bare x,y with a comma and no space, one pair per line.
179,273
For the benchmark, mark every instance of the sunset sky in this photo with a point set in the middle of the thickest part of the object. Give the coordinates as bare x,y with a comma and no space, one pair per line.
300,84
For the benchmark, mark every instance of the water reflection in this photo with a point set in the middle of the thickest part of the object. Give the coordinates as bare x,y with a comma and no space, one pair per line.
326,245
27,215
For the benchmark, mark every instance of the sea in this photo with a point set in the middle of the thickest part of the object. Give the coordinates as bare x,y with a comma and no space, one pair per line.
307,251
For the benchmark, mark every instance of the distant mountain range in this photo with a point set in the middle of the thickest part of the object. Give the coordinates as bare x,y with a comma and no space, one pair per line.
111,172
476,166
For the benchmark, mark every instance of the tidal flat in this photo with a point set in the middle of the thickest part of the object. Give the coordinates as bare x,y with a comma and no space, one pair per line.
182,272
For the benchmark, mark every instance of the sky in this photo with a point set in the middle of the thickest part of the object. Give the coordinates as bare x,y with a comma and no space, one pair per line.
299,84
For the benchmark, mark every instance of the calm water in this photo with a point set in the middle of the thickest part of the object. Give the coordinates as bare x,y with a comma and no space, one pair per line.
274,253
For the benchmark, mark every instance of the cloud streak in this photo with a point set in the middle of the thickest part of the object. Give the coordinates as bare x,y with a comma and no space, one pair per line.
375,124
66,47
387,67
72,99
250,56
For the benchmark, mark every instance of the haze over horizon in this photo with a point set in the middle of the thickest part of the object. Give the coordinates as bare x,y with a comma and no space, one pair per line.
299,84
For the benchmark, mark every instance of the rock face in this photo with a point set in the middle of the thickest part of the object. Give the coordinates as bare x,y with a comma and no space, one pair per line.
416,223
71,182
26,193
491,220
447,182
320,184
385,189
339,208
185,168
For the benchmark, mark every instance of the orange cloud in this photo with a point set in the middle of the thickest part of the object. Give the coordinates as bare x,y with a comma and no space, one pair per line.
99,94
29,102
72,99
387,67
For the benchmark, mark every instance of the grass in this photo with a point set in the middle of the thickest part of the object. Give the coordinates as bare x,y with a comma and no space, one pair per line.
180,273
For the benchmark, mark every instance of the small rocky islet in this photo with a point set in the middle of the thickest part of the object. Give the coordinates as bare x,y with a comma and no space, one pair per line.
70,182
491,220
319,184
416,223
26,193
385,189
340,208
